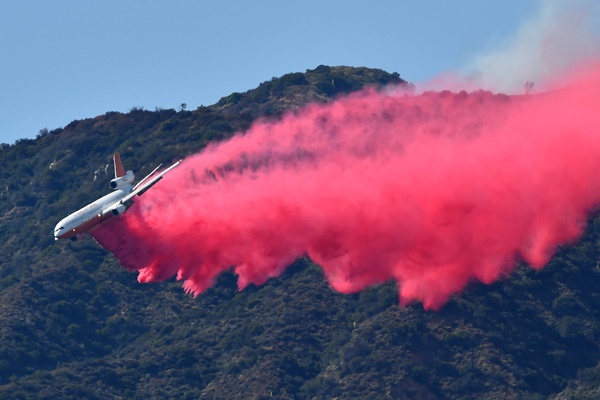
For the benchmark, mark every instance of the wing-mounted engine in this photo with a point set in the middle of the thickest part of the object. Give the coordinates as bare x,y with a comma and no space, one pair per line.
118,210
115,209
121,181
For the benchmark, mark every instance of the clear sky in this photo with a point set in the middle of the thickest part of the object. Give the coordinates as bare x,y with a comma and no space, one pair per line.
63,60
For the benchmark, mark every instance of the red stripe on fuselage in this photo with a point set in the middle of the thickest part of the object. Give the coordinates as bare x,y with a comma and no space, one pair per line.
85,227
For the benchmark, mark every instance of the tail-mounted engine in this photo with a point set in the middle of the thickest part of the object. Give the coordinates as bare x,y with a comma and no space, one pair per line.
126,179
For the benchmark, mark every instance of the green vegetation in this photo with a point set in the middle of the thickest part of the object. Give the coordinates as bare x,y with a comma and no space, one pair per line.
75,325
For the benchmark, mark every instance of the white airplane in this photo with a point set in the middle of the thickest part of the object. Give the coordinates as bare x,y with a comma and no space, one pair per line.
112,205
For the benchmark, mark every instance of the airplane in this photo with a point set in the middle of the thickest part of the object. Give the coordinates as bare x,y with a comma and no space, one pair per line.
112,205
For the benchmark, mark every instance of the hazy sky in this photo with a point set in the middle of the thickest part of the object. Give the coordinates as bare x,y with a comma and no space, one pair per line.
63,60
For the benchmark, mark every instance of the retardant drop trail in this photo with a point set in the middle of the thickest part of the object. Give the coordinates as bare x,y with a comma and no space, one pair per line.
433,191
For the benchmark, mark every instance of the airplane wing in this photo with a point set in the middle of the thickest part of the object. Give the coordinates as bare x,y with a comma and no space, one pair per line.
140,183
147,183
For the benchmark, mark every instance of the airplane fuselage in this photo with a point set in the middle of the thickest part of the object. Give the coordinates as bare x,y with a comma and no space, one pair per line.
84,219
112,205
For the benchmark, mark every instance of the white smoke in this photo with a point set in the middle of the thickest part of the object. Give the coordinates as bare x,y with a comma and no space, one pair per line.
561,36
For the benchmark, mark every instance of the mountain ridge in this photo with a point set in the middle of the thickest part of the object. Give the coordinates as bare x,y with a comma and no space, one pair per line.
77,325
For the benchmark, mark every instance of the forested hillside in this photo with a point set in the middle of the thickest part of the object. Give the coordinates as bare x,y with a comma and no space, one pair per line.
76,325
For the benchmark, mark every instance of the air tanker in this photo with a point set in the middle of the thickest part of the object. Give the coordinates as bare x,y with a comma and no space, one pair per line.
112,205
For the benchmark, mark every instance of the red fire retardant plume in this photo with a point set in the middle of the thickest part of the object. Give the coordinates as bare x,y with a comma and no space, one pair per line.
433,190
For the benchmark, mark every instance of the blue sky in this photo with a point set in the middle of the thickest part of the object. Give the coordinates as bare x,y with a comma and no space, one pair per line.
63,60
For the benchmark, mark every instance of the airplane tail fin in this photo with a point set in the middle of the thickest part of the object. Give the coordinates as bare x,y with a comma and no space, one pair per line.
119,170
